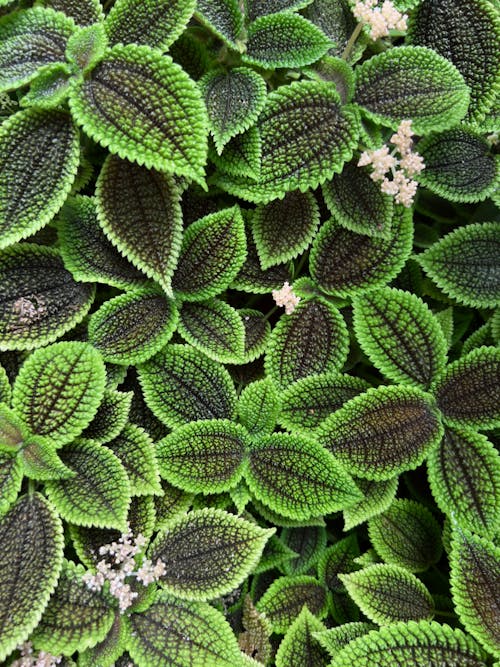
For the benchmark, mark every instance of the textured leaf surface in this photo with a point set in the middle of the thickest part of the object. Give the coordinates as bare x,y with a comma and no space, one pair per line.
59,389
377,498
83,12
86,47
412,82
400,335
298,646
99,493
223,17
384,431
11,477
132,327
111,416
251,278
257,333
256,8
5,390
334,639
465,264
172,504
336,559
258,407
145,108
13,431
308,543
31,558
208,553
136,451
297,478
139,211
312,340
241,155
39,156
335,19
181,385
40,460
50,87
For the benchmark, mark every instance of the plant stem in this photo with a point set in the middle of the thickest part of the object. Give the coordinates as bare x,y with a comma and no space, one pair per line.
271,312
445,614
352,39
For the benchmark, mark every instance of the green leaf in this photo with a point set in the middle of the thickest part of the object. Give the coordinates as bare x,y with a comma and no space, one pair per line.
285,597
58,390
50,88
132,327
241,155
308,543
145,108
31,558
459,165
383,432
99,493
465,264
156,23
221,550
258,407
344,263
111,416
413,645
338,558
467,33
298,646
430,89
389,593
464,475
39,156
172,631
357,202
275,554
139,211
213,251
400,335
256,8
110,650
181,385
297,478
312,340
76,617
254,641
338,72
284,40
87,253
406,535
136,451
223,17
83,12
377,498
13,431
5,390
11,477
334,639
257,333
234,100
29,40
204,456
475,573
307,402
215,328
336,20
86,47
40,460
284,228
251,278
172,504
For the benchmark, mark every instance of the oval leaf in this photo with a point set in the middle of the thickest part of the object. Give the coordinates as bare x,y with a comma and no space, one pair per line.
299,646
258,407
137,453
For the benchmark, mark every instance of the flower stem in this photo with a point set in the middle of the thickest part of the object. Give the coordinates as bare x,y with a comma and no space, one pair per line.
352,40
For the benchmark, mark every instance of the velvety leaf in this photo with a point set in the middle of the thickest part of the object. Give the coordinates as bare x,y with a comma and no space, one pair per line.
223,17
86,47
172,631
254,640
334,639
430,89
406,535
357,202
41,461
338,72
31,558
377,498
336,20
213,251
298,646
99,493
400,335
257,333
50,87
58,390
136,451
465,264
284,228
83,12
343,262
13,431
389,593
173,503
111,416
76,616
251,278
5,390
258,407
39,155
338,558
234,100
110,650
467,33
383,432
256,8
284,40
29,40
475,582
204,456
156,23
208,553
412,644
297,478
241,155
191,53
181,385
145,108
312,340
285,597
132,327
308,544
139,211
215,328
11,477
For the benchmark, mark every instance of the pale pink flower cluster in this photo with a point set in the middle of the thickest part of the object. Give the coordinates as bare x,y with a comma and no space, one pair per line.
380,19
123,565
30,659
286,297
402,186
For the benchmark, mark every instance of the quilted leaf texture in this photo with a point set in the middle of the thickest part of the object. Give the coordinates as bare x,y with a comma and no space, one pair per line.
298,646
223,17
137,453
83,12
258,407
256,8
378,496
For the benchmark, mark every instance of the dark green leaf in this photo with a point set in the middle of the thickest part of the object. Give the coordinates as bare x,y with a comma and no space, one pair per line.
338,558
13,431
31,558
83,12
50,88
257,333
136,451
223,17
251,278
275,554
86,47
335,19
258,407
40,460
111,416
254,641
5,390
172,504
298,646
256,8
338,72
377,498
191,53
208,553
11,477
110,650
241,155
308,543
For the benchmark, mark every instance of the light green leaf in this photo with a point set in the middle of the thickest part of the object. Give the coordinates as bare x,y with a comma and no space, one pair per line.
50,87
86,47
241,155
13,431
430,89
11,477
223,17
145,108
338,558
39,156
136,451
256,8
110,651
221,550
377,498
40,460
83,12
111,416
5,390
31,558
58,390
298,646
259,407
334,639
181,385
172,504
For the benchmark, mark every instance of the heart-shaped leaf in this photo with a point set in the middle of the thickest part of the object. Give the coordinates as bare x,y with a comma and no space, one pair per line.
298,646
137,453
